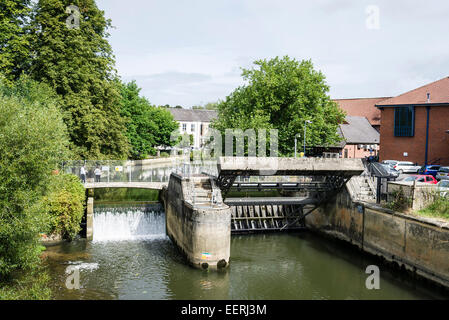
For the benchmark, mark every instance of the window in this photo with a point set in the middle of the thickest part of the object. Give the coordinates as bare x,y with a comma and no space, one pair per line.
192,127
404,121
184,127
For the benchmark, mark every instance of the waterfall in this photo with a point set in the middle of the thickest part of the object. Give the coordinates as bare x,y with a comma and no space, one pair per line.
118,223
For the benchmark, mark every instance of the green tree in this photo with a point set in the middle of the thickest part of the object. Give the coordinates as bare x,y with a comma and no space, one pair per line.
147,126
15,48
207,106
78,64
282,94
33,140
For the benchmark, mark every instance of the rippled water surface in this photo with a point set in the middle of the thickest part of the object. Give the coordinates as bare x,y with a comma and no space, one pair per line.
268,266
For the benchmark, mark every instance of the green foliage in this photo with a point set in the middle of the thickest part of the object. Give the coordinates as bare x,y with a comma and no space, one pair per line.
399,202
64,203
79,65
281,94
33,139
207,106
147,126
14,38
26,286
439,207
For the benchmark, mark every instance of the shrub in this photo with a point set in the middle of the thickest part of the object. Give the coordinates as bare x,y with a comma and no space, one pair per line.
33,139
438,208
400,202
64,205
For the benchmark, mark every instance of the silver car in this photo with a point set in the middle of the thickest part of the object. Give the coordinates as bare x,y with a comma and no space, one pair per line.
443,188
406,167
443,173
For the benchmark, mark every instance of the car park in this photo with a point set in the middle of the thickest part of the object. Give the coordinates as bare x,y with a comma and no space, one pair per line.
443,173
425,178
406,167
429,169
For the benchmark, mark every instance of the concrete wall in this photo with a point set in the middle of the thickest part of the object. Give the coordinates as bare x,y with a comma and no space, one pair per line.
421,245
202,232
420,194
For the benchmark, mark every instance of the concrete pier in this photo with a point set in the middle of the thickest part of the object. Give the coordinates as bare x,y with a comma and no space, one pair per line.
198,221
90,218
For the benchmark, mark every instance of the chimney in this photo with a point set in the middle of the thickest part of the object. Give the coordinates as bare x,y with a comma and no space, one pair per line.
428,97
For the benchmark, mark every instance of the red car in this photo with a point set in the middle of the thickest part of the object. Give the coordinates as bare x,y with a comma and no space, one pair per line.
426,178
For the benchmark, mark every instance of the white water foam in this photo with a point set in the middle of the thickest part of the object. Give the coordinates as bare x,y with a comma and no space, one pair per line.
81,266
120,224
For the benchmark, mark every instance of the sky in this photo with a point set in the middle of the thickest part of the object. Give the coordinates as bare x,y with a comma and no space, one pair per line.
191,52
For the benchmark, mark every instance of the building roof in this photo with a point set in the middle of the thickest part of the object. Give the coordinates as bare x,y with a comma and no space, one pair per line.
362,107
358,130
193,115
439,93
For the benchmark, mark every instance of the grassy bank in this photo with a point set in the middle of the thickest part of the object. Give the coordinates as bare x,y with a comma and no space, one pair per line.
439,208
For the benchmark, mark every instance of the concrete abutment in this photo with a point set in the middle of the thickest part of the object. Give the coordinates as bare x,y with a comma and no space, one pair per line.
198,221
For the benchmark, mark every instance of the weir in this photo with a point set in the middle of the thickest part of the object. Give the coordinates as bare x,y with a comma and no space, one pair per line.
200,223
118,223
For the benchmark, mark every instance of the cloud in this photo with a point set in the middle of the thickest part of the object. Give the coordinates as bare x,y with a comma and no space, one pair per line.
191,52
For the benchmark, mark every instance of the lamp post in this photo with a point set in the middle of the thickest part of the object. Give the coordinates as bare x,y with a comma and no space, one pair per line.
305,131
296,142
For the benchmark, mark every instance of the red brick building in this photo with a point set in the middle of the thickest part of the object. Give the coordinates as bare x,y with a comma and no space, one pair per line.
362,107
415,125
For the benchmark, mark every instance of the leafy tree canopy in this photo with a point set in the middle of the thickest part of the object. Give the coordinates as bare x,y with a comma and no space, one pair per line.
147,126
282,93
14,38
78,64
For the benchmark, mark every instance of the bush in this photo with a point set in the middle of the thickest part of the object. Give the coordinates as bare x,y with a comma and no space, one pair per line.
33,140
64,205
165,154
400,202
28,286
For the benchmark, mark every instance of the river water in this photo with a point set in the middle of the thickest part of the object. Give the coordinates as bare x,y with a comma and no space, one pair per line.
131,258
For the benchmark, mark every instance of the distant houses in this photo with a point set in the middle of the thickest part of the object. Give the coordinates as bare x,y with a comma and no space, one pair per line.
194,122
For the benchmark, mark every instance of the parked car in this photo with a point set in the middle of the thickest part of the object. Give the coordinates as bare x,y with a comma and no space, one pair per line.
443,173
429,169
443,188
390,162
391,171
426,178
406,167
